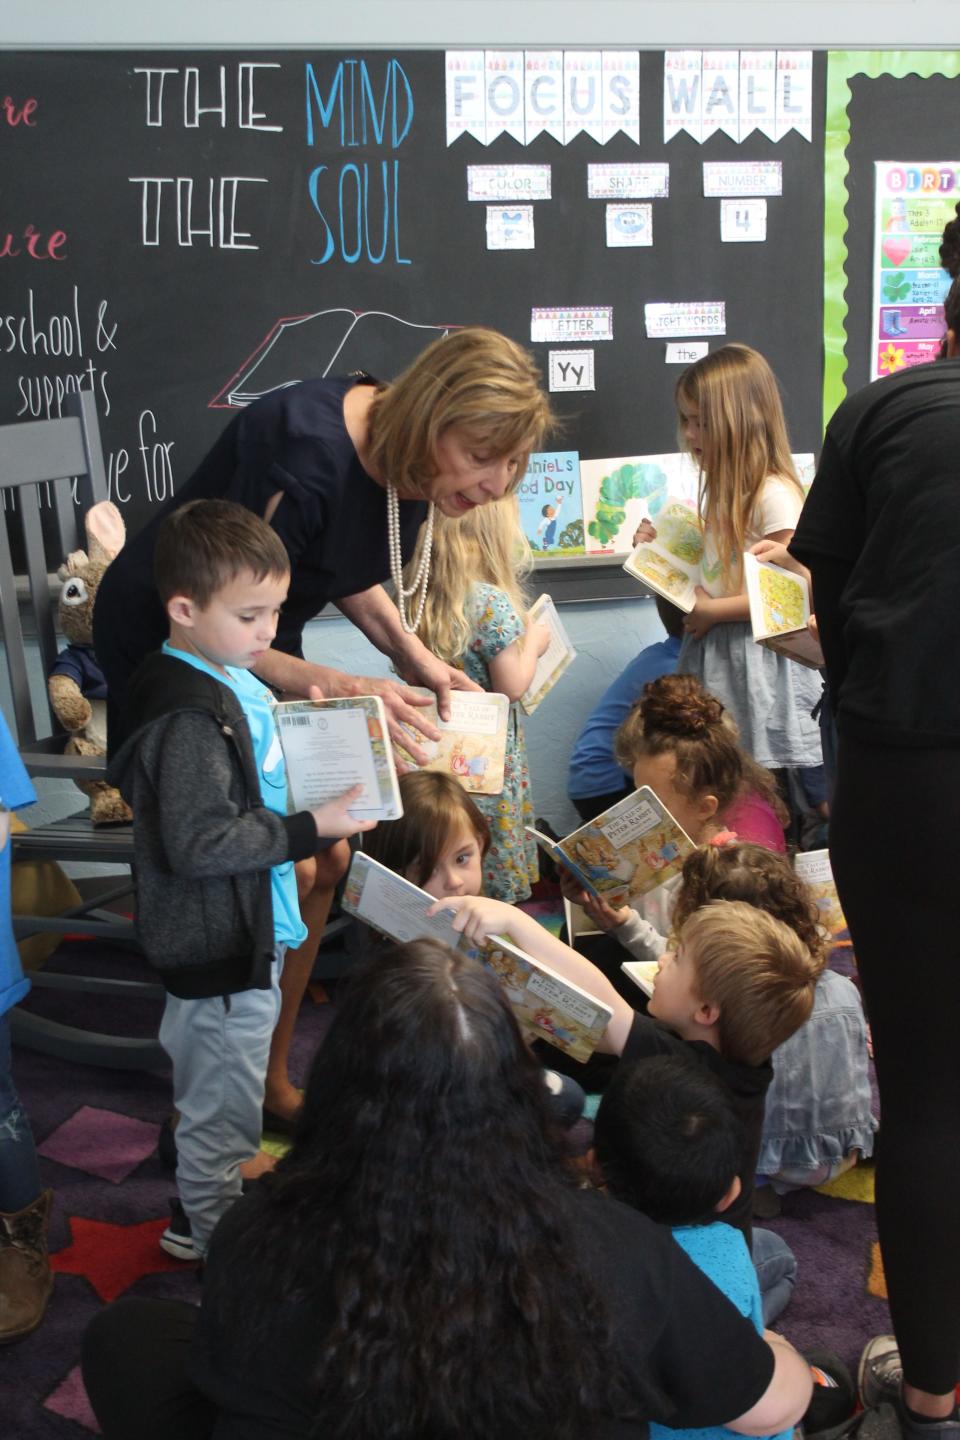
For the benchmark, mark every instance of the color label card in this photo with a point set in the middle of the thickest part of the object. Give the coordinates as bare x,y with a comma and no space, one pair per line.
510,227
508,182
629,225
563,322
691,317
743,220
628,182
742,177
571,370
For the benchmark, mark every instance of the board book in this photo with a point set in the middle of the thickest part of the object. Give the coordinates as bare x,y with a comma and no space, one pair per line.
473,742
548,1006
554,661
329,745
780,610
813,866
642,973
627,851
670,564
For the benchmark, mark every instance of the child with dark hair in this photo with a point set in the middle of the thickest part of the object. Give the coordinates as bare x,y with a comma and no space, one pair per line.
201,767
668,1144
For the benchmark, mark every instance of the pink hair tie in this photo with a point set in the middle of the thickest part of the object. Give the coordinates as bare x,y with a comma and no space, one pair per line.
723,837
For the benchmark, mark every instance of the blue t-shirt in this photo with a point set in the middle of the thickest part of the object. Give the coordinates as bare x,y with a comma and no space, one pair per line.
16,790
593,770
258,703
721,1253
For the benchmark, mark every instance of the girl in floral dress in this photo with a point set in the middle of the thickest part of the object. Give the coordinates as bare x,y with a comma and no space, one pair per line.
475,617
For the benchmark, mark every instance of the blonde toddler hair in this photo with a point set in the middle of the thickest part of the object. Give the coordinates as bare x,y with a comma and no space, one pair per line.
756,970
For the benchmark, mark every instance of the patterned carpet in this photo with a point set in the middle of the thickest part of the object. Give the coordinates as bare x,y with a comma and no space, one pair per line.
97,1130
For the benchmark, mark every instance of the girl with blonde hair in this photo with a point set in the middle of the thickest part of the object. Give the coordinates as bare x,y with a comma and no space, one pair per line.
731,422
476,617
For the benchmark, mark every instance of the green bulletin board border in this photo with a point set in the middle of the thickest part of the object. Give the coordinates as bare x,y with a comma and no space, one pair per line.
842,65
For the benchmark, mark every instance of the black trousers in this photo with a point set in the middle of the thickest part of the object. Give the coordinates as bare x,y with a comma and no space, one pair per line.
135,1368
893,844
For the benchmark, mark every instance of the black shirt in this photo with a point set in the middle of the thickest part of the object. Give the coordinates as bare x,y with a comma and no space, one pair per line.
691,1359
880,532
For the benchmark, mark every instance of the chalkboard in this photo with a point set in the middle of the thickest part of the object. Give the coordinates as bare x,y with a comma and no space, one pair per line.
182,230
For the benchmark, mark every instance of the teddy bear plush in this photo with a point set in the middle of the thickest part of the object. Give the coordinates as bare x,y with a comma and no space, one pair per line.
76,684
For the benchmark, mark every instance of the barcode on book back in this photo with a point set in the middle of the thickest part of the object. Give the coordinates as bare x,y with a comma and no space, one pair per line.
295,719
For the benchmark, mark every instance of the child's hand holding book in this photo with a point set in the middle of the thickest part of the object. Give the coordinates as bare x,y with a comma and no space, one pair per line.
333,819
605,917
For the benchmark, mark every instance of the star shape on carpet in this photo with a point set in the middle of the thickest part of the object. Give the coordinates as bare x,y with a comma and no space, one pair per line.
113,1257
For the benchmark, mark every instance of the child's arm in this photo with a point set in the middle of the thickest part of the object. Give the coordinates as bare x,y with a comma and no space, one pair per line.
204,832
477,918
512,670
784,1402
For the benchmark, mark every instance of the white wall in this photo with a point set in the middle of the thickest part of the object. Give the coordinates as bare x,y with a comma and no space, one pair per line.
907,24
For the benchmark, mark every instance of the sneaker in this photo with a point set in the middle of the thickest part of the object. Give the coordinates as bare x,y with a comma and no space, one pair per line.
177,1240
880,1372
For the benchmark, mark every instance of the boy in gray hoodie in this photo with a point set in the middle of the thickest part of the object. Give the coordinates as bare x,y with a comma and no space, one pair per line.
201,767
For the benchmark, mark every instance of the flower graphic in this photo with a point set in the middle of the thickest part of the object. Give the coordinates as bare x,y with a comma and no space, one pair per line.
891,359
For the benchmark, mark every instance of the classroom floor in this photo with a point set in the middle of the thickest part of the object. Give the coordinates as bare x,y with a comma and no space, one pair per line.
96,1131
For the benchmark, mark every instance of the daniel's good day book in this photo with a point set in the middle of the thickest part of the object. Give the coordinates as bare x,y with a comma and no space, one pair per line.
627,851
548,1006
330,745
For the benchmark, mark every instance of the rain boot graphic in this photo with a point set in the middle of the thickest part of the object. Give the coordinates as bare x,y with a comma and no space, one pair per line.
891,323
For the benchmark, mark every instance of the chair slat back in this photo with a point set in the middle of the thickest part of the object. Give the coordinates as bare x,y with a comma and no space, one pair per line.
43,463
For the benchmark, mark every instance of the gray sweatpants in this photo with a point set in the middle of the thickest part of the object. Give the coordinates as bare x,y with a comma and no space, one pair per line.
219,1049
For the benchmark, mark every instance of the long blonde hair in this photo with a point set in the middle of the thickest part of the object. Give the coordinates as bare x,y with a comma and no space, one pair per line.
474,381
486,546
743,441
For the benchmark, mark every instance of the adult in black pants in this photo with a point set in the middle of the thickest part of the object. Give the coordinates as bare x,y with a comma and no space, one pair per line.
422,1263
881,535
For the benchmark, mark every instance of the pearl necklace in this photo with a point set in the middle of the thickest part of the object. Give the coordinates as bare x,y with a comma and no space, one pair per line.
396,562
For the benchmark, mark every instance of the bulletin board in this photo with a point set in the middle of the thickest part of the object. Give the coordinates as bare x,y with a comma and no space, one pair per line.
183,230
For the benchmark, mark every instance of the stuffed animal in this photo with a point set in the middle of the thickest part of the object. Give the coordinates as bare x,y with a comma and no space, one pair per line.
76,685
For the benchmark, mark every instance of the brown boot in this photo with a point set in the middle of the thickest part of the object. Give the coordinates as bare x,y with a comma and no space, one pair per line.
25,1276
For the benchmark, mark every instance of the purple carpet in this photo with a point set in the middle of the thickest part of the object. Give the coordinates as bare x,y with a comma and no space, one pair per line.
96,1131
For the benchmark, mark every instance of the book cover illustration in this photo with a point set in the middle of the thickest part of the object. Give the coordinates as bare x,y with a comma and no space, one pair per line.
670,564
813,866
627,851
473,742
617,493
551,508
554,661
780,610
550,1007
329,745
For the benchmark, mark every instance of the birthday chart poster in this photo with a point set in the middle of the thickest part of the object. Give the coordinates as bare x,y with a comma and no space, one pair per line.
913,202
551,510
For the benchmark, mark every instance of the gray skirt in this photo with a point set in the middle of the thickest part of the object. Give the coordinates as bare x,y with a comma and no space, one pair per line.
769,696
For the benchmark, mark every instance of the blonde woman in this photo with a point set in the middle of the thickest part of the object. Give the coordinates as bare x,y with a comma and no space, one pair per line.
731,422
475,617
345,471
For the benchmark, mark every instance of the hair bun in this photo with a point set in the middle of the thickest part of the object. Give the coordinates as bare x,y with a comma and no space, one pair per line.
679,705
950,246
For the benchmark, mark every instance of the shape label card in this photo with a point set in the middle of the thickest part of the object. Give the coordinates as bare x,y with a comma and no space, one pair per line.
568,322
629,224
510,227
628,182
912,203
508,182
743,220
526,93
571,370
689,317
742,177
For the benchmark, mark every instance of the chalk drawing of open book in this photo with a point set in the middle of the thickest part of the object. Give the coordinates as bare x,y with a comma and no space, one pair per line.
298,347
